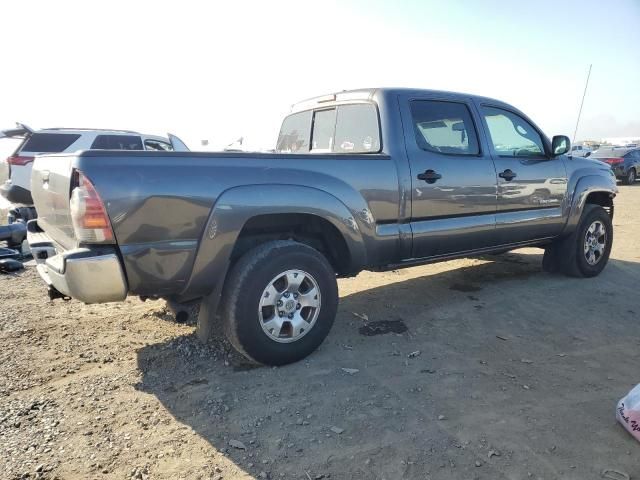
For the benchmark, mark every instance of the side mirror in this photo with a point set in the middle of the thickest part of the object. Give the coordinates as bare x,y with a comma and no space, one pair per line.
560,145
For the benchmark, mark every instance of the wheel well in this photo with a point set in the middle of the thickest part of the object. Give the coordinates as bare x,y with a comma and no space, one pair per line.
603,199
309,229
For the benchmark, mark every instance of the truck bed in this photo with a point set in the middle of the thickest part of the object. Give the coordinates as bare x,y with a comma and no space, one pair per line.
160,202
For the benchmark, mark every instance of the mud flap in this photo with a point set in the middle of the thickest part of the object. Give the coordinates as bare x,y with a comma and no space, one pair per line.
207,315
550,262
560,256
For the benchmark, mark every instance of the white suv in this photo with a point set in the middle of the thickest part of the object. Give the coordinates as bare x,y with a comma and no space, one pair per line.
580,151
15,172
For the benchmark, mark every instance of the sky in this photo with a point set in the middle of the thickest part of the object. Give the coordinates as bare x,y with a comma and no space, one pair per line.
219,70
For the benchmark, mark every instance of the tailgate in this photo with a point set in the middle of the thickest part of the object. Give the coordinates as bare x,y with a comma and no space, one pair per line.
50,189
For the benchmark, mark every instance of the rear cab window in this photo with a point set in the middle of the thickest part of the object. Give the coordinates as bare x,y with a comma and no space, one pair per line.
48,142
295,133
444,127
324,127
117,142
349,128
357,129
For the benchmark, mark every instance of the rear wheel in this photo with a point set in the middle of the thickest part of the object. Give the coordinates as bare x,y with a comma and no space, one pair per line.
279,302
630,179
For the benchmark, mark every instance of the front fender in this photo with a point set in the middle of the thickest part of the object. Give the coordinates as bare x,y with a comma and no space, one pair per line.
237,205
584,187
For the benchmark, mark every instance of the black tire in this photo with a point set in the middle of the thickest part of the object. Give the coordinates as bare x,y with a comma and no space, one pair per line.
568,256
630,179
244,289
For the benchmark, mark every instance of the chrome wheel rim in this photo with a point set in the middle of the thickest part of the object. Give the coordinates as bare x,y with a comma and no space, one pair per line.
595,242
289,306
632,176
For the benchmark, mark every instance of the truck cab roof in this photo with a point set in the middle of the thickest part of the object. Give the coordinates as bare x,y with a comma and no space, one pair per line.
375,94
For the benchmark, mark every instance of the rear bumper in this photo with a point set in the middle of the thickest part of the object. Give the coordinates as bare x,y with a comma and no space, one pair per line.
86,274
16,194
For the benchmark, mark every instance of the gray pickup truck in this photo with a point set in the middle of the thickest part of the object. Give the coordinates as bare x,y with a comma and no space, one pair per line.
373,179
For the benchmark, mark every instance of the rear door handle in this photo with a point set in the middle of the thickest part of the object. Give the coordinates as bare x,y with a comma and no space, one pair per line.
429,176
508,175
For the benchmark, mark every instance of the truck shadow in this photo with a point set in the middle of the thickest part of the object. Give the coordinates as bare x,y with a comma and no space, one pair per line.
366,396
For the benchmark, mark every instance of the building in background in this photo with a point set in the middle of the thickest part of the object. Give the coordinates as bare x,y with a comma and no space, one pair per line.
621,141
611,141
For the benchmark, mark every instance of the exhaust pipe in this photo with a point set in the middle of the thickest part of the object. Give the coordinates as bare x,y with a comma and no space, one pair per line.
54,293
182,311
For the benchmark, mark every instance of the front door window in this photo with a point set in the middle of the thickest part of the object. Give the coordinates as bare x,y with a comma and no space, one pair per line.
511,135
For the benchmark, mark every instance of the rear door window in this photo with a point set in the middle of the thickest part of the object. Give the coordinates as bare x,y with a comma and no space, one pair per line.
444,127
49,142
295,133
117,142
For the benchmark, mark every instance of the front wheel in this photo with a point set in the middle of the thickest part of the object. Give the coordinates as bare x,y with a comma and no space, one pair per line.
586,251
279,302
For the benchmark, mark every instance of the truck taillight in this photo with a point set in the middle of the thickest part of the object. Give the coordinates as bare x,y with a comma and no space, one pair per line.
19,160
90,220
614,161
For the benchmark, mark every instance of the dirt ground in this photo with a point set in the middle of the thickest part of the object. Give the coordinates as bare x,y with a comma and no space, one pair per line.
485,369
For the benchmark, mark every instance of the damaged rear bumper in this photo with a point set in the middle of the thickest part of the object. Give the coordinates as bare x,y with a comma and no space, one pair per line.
91,275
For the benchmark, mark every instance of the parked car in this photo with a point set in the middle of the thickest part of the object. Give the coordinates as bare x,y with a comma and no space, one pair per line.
15,172
624,162
580,151
372,179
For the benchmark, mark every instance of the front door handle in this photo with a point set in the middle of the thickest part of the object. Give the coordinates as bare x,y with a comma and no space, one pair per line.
429,176
508,175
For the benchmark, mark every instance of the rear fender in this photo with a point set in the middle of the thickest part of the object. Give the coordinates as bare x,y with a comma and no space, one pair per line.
238,205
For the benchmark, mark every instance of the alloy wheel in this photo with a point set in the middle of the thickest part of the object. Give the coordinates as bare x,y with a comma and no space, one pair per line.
289,306
595,242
